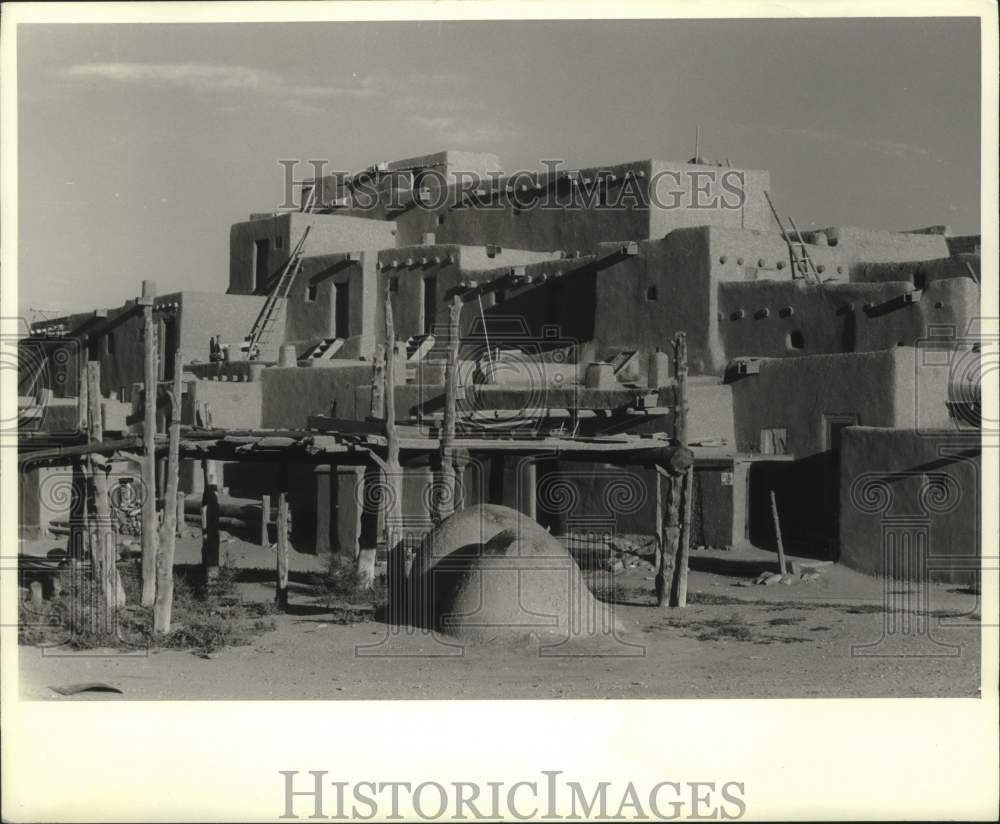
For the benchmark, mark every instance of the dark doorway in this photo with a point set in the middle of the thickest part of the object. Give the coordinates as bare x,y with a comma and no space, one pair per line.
170,343
430,304
262,250
341,310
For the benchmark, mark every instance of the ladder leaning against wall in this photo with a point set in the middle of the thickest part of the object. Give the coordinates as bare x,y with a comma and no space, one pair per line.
263,327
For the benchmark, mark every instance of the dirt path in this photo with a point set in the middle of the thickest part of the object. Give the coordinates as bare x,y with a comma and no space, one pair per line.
734,642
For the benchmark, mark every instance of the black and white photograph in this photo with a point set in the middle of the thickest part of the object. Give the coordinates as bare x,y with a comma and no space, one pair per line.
422,358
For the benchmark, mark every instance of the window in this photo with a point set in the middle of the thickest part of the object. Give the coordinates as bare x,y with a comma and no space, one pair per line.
774,441
796,340
651,293
109,343
311,293
279,242
342,310
440,220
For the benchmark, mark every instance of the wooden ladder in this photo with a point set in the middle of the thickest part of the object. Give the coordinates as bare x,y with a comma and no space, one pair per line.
799,258
263,326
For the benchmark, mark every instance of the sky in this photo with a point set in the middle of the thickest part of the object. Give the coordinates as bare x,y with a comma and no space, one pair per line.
140,145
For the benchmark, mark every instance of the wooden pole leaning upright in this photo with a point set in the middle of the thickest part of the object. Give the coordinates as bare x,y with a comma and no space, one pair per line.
210,521
149,535
281,523
102,544
164,600
392,490
371,494
684,484
446,497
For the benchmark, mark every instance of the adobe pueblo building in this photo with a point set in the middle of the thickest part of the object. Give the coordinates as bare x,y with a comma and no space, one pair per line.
836,368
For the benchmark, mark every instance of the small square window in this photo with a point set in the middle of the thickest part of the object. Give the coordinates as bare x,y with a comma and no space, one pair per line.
440,220
279,242
651,293
311,293
393,284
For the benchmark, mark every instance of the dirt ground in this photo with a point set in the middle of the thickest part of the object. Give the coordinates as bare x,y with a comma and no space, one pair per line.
825,638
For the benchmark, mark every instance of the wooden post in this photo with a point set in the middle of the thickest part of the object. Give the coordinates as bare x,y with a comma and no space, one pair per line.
265,519
392,489
210,521
281,583
164,600
149,534
445,499
378,383
103,548
672,570
371,485
181,514
660,475
777,534
678,595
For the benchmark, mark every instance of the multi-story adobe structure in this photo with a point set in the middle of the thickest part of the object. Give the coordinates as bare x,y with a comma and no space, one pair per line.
795,341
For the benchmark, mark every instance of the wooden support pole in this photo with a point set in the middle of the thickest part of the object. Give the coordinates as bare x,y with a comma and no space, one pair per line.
528,483
164,600
777,535
445,499
149,534
210,521
378,383
103,548
281,522
392,489
265,519
671,575
678,593
371,489
181,516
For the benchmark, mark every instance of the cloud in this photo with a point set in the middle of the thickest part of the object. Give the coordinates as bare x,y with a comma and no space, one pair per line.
469,129
889,148
204,77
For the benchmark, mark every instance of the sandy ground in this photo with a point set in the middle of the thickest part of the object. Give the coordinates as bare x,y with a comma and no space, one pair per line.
826,638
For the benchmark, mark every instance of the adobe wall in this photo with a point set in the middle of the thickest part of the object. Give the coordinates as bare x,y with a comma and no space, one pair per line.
308,321
328,234
234,405
799,394
450,266
919,272
781,319
231,317
878,246
932,480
